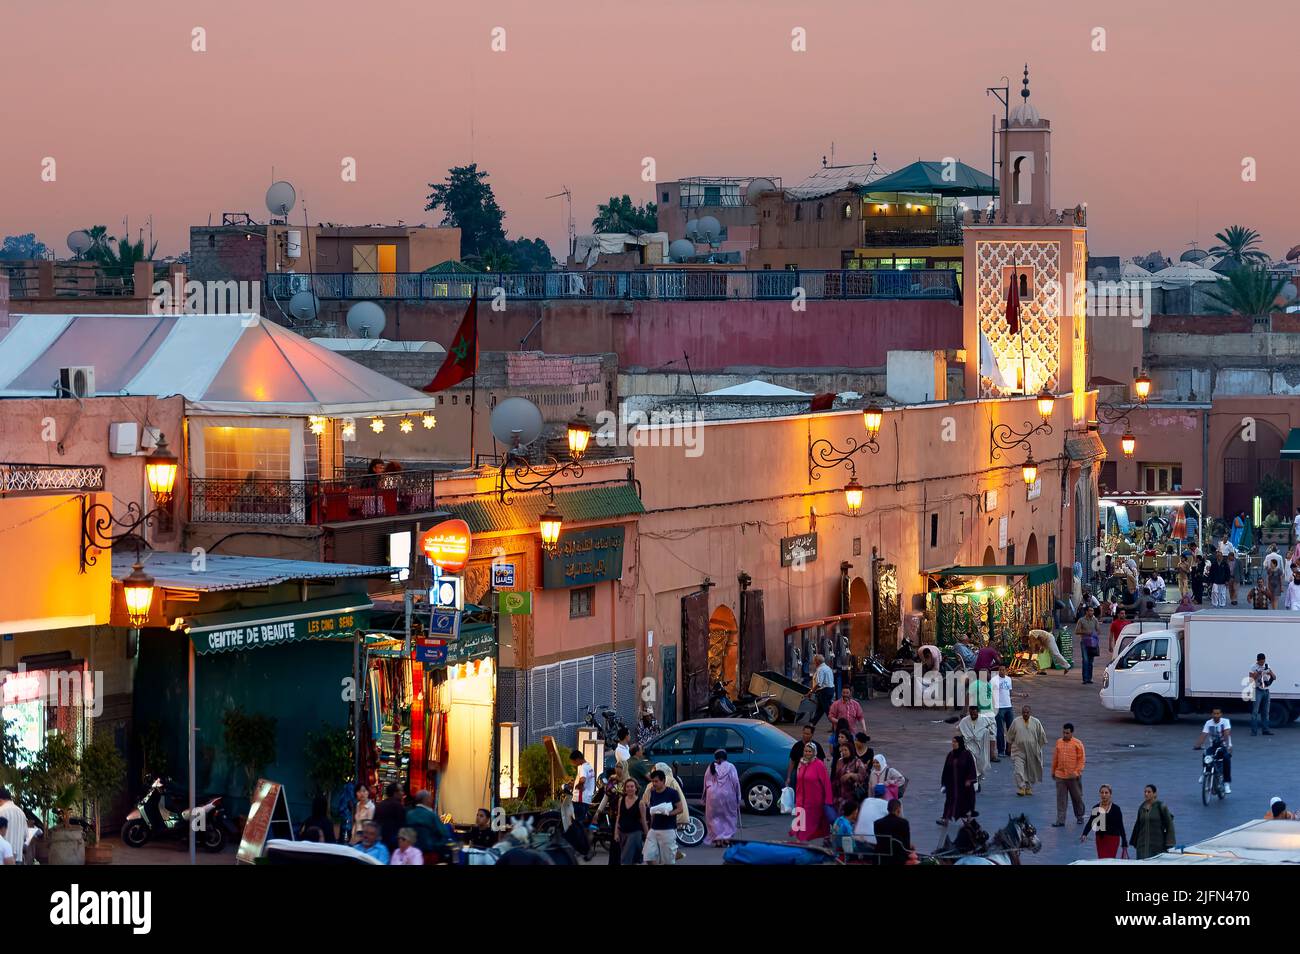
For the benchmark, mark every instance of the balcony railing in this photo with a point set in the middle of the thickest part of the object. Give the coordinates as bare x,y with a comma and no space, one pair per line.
312,502
49,478
656,285
940,232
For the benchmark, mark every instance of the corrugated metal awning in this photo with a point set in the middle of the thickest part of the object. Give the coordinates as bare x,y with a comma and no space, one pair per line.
177,571
486,514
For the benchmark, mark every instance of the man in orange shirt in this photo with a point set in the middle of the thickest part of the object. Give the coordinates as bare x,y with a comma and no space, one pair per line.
1067,769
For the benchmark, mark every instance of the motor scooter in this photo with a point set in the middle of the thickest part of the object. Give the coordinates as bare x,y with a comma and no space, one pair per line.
156,819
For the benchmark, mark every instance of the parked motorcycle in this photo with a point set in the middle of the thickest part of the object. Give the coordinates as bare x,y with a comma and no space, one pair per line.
157,819
608,726
745,706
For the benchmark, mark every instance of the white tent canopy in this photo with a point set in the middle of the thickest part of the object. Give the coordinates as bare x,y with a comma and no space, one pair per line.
1183,274
756,388
220,364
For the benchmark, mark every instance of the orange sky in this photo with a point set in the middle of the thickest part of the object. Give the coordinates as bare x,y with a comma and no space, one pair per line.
1151,133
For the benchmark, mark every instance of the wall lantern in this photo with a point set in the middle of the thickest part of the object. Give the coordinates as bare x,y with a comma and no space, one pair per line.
853,496
579,433
549,529
138,590
160,469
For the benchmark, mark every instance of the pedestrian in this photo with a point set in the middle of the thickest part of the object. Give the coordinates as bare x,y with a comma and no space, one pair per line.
1153,831
862,747
849,775
1273,573
430,832
1292,599
841,736
849,709
1107,821
1219,574
823,689
320,820
959,782
663,804
813,797
1085,637
648,730
987,659
979,736
893,835
1042,641
721,800
638,766
371,844
630,825
796,751
1277,810
364,811
390,815
6,849
1182,570
1197,577
1219,730
1005,713
622,751
1116,627
583,797
844,825
882,773
1026,739
1068,758
1261,678
406,853
482,835
16,827
873,808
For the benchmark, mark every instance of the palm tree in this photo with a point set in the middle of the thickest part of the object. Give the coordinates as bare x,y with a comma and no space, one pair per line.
493,260
622,215
1238,245
1250,290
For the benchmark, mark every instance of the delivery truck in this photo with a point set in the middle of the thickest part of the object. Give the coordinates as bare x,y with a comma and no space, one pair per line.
1201,660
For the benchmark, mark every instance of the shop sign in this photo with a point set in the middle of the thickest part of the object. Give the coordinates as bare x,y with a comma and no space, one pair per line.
448,593
431,652
479,644
280,624
583,557
445,623
268,817
447,545
798,550
515,603
503,576
1035,489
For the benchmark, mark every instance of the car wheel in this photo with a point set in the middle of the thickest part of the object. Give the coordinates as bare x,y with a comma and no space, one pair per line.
761,796
1279,714
772,712
692,833
1149,710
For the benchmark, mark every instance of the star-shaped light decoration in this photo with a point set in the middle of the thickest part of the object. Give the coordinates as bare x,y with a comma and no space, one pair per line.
429,421
406,425
377,425
317,425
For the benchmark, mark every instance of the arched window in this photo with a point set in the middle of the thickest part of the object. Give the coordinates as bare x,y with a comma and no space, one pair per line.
848,210
820,211
1024,286
1015,180
798,213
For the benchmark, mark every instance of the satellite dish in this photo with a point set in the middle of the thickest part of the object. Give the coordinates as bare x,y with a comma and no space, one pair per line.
280,199
757,188
516,421
1289,292
681,248
692,228
80,242
365,319
304,305
711,228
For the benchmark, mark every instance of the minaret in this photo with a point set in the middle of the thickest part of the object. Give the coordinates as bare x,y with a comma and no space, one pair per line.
1046,251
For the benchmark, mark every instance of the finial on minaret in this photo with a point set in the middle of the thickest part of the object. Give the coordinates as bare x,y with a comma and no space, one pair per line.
1025,92
873,156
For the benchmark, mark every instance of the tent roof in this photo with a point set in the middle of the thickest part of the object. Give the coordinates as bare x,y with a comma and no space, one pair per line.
1034,573
220,364
756,388
450,267
930,177
831,179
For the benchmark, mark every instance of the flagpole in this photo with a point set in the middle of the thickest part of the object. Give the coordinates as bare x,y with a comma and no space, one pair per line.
1024,368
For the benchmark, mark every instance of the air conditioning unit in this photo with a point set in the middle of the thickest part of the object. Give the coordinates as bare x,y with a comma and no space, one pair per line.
77,382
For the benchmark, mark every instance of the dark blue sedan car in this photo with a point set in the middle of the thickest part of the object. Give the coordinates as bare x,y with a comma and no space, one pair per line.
760,752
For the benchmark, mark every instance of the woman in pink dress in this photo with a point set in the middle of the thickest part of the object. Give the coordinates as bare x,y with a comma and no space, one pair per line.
721,800
812,797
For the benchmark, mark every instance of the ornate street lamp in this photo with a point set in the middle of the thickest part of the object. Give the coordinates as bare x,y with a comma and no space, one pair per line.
98,521
872,418
1142,385
853,495
1127,443
1109,414
551,523
1046,401
1029,471
138,590
823,454
160,470
579,433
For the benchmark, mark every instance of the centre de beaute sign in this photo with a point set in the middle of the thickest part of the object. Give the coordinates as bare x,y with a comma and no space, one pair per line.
277,625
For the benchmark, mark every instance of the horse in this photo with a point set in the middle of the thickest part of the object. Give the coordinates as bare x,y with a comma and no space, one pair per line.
974,846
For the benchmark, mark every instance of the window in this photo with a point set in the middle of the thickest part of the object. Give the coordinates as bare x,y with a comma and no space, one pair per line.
582,602
666,202
1158,478
246,453
1144,651
680,742
798,213
1024,286
820,211
1108,479
719,737
1051,549
712,195
848,210
934,529
1011,554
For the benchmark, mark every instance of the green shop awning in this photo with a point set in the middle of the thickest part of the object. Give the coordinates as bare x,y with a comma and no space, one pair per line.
1291,449
333,617
1034,574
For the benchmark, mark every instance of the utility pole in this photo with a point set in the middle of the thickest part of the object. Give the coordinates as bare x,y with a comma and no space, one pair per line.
568,197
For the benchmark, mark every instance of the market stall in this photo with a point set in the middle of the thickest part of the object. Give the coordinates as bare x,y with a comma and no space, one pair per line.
1157,526
997,604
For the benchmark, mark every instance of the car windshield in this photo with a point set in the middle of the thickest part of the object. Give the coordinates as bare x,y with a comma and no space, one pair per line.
764,736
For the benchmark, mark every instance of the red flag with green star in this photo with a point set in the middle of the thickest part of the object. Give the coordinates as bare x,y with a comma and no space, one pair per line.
462,357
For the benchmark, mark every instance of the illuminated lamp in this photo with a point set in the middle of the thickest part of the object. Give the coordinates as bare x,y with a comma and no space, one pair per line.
853,495
1046,401
1142,385
508,759
579,433
1001,591
428,420
549,529
406,425
1029,471
979,585
160,469
1127,443
872,418
138,590
317,425
349,429
377,425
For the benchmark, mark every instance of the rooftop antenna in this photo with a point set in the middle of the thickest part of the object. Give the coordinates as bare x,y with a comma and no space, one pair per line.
568,197
1003,93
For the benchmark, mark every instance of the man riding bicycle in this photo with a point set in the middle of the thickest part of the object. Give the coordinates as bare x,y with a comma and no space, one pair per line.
1219,731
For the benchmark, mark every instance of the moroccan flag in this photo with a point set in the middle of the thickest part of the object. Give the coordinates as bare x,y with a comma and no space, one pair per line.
462,357
1013,304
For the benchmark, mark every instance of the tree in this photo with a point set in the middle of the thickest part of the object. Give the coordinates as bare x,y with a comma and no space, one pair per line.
620,215
530,255
250,742
1238,244
1250,290
103,772
469,204
121,261
20,247
496,259
329,760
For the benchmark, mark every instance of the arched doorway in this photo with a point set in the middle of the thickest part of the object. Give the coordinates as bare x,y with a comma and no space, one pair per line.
860,627
990,557
724,646
1031,550
1251,467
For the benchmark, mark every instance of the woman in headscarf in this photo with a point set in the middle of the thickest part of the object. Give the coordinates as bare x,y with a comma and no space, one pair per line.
843,733
813,798
721,800
958,783
882,774
849,774
1108,822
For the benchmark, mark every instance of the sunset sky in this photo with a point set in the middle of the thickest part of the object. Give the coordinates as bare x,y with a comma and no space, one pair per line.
1150,133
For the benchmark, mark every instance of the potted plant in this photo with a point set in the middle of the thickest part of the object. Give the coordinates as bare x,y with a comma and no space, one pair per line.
250,742
329,761
103,774
50,788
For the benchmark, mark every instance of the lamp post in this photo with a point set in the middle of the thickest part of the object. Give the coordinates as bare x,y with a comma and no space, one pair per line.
1004,437
1110,414
824,454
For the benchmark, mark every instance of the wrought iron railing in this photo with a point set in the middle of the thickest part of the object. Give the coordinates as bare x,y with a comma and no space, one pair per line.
650,285
314,502
941,232
49,478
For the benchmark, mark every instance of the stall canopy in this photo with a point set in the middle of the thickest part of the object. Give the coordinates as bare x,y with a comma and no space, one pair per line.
1291,449
1035,574
221,364
935,178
